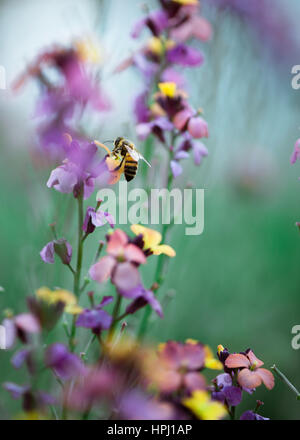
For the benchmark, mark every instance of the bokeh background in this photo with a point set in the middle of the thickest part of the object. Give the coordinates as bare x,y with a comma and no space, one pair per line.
238,284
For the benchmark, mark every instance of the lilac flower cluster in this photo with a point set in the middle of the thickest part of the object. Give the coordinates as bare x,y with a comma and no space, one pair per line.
162,109
67,87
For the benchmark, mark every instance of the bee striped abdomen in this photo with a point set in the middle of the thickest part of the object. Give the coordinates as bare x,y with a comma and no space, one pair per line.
130,168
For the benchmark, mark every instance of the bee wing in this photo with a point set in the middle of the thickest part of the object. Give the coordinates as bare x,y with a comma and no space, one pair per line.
136,155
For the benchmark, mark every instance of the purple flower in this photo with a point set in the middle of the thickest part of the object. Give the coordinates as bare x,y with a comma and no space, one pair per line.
199,149
96,318
185,56
176,168
146,67
135,405
141,110
20,357
80,168
250,415
226,391
157,127
16,391
156,21
296,153
65,364
142,297
60,247
95,219
171,75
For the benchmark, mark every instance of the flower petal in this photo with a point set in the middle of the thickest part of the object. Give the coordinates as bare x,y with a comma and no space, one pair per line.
151,237
116,243
102,270
134,254
267,377
236,361
164,249
254,360
249,379
126,277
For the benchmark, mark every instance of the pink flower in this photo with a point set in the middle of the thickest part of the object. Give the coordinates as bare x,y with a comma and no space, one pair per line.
120,264
196,27
251,375
197,127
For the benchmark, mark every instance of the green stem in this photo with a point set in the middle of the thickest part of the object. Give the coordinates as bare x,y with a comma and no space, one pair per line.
159,276
116,312
77,273
286,381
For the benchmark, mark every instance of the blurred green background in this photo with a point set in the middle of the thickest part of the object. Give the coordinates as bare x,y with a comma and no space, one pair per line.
238,283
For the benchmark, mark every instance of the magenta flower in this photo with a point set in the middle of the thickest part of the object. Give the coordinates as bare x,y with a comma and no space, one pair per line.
156,21
197,127
60,247
182,363
185,56
94,219
194,27
296,153
120,264
141,110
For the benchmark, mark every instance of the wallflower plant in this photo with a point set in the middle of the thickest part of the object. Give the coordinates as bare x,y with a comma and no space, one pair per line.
124,378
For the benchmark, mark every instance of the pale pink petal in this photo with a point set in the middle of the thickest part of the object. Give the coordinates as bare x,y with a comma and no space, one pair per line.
267,377
117,240
28,323
135,254
181,118
126,277
201,28
254,360
237,361
249,379
102,270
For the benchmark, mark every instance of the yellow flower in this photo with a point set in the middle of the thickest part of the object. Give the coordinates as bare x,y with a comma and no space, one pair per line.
152,239
60,295
155,45
187,2
220,348
88,50
210,361
203,407
158,46
168,89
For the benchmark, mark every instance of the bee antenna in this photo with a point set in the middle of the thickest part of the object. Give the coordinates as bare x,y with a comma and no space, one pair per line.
109,140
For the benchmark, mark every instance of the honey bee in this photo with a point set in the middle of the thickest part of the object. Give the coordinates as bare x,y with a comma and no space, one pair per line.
130,157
